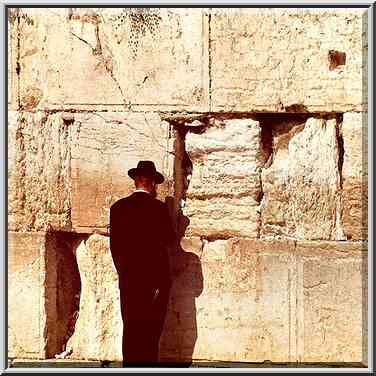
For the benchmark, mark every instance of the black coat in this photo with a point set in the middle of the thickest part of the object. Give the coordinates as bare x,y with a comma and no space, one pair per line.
140,231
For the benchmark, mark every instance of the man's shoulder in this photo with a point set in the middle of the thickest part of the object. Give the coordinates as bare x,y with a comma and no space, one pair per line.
133,198
122,201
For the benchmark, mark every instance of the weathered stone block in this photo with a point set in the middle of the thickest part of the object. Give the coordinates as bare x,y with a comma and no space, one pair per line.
243,313
39,172
106,147
224,190
302,184
26,316
99,327
332,297
66,53
41,297
282,59
355,176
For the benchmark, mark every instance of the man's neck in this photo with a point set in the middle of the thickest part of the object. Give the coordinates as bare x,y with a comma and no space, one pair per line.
141,190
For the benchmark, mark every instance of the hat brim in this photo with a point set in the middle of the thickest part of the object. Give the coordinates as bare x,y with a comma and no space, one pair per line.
134,172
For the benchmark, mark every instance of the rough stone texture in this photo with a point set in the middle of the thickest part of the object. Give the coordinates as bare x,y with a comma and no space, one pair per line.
98,330
224,190
355,175
12,60
82,75
43,285
331,289
39,183
301,186
282,59
255,300
243,312
107,146
138,57
25,295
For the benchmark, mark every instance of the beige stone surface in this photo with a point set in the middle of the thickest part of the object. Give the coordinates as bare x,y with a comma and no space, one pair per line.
25,295
43,287
355,175
12,59
244,310
301,185
39,183
98,330
224,187
271,59
114,56
107,145
332,294
95,84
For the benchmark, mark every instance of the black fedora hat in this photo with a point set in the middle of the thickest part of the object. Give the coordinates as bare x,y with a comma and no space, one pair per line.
146,168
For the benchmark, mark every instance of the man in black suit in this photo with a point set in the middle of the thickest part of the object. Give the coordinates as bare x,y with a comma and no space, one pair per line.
140,231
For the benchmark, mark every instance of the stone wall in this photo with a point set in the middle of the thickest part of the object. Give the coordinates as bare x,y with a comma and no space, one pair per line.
257,119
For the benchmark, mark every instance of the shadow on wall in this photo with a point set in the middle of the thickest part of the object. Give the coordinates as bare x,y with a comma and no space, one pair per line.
180,329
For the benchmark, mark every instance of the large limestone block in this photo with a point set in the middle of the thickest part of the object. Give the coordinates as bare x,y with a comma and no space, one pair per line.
98,330
107,146
224,187
302,183
355,176
332,302
244,311
26,316
39,147
114,56
43,292
277,59
34,328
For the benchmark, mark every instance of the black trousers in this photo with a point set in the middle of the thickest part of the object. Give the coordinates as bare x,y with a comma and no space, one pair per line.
143,310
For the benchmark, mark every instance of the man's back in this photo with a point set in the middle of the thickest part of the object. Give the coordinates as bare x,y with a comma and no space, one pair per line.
140,230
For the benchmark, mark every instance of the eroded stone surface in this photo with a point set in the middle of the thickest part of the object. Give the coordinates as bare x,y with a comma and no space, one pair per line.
355,175
282,59
243,312
224,189
99,327
44,285
12,59
235,299
230,303
136,56
302,184
25,295
108,145
331,295
39,172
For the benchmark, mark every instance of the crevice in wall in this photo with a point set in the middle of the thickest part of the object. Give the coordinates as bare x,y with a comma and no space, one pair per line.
276,131
18,64
210,60
341,150
63,268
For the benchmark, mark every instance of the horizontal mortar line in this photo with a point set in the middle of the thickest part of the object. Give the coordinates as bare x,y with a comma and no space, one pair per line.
165,113
121,104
